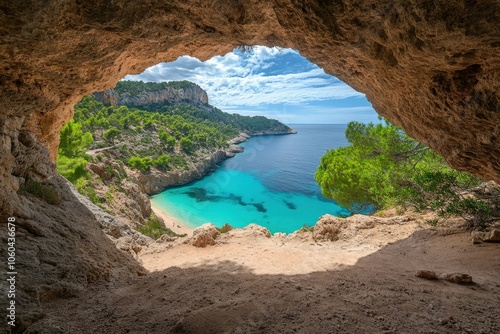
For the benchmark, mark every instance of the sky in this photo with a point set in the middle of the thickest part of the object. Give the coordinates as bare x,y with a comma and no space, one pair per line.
272,82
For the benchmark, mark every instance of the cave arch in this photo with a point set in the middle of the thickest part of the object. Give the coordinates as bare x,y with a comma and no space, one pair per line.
429,67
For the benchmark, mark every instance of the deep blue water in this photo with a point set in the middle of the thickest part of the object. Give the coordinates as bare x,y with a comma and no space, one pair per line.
271,183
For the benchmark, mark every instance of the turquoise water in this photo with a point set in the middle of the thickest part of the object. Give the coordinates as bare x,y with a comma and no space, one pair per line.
271,184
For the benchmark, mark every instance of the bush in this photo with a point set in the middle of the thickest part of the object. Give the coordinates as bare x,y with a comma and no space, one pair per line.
72,168
225,228
142,164
162,162
154,229
306,228
42,191
111,134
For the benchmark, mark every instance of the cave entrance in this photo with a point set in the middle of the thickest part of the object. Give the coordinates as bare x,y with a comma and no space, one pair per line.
270,184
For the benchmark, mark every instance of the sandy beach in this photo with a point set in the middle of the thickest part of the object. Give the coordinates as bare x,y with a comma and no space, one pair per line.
171,222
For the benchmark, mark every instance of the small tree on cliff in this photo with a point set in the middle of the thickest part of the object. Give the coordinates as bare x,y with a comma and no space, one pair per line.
111,134
385,167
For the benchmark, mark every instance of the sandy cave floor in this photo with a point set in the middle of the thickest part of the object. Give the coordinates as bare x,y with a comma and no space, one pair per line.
273,285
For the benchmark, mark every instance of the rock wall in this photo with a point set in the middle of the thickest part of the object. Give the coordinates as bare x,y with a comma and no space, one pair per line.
192,93
156,181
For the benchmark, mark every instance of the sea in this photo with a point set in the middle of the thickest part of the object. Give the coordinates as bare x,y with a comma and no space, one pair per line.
271,184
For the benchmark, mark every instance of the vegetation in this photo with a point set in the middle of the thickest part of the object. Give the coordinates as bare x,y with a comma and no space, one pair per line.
42,191
154,229
306,228
225,228
164,136
384,167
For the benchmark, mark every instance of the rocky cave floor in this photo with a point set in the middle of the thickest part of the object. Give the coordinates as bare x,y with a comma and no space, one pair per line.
250,283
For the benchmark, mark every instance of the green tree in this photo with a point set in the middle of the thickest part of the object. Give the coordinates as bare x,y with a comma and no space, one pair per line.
142,164
73,142
111,134
385,167
186,144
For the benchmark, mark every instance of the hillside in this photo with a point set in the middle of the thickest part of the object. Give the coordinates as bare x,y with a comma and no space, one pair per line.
139,138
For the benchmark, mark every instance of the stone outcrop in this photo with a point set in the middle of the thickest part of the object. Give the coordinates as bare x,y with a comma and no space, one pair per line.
332,228
60,250
203,236
192,93
488,236
156,181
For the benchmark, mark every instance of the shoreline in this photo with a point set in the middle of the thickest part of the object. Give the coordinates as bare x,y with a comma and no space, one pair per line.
172,223
179,227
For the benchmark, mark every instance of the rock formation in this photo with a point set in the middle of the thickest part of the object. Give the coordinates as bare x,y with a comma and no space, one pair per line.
156,181
192,93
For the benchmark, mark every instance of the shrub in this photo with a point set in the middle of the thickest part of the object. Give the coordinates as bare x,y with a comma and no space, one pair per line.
162,162
306,228
225,228
154,229
72,168
42,191
142,164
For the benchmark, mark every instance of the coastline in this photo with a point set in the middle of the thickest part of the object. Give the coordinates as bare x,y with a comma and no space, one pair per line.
172,223
179,227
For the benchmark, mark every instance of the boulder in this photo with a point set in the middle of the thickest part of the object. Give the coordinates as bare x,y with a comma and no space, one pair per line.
457,278
427,274
204,235
488,236
329,228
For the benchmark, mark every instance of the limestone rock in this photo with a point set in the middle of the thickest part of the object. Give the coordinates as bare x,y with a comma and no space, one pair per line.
427,274
100,170
203,236
488,236
233,150
457,278
256,230
329,228
156,181
124,237
192,93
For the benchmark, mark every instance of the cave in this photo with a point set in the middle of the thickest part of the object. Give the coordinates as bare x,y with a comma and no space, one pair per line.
430,67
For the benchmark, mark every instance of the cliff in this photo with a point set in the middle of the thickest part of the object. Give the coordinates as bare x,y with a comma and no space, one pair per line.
189,92
156,180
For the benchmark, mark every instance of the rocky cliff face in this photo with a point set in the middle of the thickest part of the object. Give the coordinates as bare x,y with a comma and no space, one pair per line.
156,181
192,93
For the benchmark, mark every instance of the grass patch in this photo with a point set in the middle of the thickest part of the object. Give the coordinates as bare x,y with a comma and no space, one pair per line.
306,228
154,229
42,191
225,228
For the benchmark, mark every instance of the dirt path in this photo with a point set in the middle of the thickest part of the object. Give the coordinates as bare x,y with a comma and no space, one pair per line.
270,286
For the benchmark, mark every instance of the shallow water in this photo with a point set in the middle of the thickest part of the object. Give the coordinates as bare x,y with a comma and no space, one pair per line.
271,184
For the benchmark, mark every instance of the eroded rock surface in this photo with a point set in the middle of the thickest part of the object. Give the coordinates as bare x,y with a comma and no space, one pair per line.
192,93
204,235
431,67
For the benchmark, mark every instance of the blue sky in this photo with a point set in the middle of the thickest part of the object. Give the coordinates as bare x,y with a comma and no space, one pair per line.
276,83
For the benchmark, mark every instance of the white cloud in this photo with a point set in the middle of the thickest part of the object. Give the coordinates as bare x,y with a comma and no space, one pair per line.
238,79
